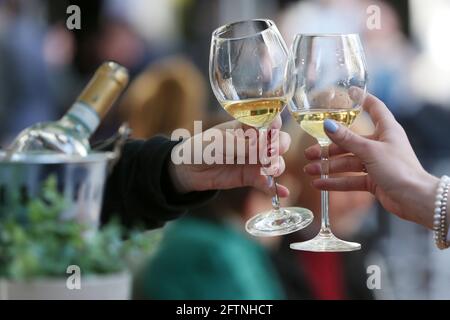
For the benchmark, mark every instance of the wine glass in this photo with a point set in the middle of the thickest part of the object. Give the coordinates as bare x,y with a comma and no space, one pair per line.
329,74
248,70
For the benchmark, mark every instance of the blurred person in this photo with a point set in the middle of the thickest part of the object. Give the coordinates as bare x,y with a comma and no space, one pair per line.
169,94
208,255
116,40
330,275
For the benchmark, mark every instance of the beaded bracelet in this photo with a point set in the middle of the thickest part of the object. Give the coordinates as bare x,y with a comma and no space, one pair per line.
440,213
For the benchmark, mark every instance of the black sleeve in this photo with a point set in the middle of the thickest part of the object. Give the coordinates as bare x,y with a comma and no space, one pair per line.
139,190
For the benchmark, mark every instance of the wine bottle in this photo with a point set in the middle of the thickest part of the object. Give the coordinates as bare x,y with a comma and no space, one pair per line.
70,135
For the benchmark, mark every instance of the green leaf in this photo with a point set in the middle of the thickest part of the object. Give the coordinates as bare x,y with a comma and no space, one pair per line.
44,246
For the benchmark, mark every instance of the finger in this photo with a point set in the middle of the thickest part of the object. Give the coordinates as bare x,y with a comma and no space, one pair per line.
283,145
279,167
313,152
276,143
275,167
246,146
348,140
378,111
241,146
276,123
241,142
283,191
336,165
353,183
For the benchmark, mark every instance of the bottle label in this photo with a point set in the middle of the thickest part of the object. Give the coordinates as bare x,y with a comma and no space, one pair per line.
85,114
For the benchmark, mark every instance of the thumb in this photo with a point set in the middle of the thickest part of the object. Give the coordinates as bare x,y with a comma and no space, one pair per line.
347,139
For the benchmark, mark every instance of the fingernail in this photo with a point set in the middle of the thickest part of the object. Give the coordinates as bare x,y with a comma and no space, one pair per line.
330,125
269,182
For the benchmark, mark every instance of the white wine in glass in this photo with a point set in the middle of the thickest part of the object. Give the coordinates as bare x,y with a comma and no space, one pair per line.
312,121
258,113
329,83
248,70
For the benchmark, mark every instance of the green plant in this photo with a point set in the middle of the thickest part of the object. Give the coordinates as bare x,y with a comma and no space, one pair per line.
44,246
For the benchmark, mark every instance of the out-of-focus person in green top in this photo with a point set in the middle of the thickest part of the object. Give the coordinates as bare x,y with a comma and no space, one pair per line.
208,255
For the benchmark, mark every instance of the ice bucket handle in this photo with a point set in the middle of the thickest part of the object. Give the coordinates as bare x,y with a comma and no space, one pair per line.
119,139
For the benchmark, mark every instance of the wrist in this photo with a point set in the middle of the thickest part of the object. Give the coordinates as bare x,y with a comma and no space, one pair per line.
422,195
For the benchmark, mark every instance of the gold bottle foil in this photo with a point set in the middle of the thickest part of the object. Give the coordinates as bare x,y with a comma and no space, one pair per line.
106,85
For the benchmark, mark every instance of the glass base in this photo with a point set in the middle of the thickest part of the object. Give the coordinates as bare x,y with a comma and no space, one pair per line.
277,223
325,241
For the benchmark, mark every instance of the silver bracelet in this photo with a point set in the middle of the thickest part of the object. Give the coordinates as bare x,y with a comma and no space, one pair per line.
440,213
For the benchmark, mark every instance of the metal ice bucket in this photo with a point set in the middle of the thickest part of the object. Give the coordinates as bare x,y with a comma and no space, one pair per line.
80,180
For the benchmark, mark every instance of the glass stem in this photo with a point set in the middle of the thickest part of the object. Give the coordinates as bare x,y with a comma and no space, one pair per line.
267,134
275,198
325,224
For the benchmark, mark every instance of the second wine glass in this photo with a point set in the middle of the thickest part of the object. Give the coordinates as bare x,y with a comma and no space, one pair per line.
330,83
248,71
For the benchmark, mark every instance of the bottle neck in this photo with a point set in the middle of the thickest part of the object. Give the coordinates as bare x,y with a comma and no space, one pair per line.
82,117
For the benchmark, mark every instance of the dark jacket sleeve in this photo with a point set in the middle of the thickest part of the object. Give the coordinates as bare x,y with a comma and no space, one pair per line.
139,190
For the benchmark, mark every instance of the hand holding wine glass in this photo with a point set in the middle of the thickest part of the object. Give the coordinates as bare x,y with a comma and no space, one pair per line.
385,161
249,76
200,177
329,83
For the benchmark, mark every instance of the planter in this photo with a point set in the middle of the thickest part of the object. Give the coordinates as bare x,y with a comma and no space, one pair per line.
109,287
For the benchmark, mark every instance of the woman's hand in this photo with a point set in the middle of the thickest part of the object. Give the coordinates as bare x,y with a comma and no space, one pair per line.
385,163
200,177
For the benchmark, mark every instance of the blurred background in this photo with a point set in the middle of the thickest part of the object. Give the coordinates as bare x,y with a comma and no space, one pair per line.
165,44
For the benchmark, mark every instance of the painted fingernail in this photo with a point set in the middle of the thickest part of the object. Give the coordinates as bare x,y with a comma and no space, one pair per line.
269,182
330,125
